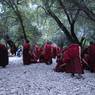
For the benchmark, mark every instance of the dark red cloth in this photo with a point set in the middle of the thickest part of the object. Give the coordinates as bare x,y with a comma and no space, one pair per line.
47,52
54,52
72,59
4,60
85,57
91,59
58,50
34,58
41,56
26,54
37,51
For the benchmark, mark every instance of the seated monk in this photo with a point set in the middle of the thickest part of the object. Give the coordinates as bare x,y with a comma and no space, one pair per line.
34,58
41,55
47,53
54,50
59,61
36,51
59,67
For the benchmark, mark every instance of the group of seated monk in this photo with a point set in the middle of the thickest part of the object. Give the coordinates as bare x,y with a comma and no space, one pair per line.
75,59
38,54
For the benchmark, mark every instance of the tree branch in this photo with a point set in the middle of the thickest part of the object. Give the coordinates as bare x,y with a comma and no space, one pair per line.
66,13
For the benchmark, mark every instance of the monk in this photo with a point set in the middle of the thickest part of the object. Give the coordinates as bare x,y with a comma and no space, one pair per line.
3,56
85,57
34,58
41,55
26,53
54,50
58,50
48,53
72,60
37,51
59,61
91,59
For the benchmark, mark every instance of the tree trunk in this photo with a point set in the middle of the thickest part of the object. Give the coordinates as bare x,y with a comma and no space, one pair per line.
17,12
73,33
60,24
22,25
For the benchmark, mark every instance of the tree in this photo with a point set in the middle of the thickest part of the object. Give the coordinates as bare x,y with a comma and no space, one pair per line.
82,6
14,5
70,14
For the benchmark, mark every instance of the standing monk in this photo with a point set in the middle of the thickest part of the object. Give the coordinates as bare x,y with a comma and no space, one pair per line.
11,44
26,53
72,60
3,56
91,59
85,58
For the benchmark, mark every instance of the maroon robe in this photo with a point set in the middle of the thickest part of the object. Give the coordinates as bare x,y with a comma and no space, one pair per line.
58,50
37,52
34,58
26,54
4,60
41,55
72,59
91,52
48,53
85,58
54,52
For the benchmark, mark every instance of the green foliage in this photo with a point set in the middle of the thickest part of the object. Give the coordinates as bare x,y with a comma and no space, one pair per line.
39,26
